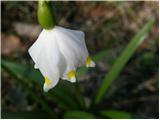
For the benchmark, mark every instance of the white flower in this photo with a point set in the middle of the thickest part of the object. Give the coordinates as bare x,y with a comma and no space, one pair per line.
57,53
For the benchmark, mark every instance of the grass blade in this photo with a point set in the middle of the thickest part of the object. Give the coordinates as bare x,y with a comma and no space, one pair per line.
122,60
114,114
78,115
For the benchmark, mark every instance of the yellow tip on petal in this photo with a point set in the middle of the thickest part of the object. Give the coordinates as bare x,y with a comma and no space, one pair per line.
71,75
47,81
89,62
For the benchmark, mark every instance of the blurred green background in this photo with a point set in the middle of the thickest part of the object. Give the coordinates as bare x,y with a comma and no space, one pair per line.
109,27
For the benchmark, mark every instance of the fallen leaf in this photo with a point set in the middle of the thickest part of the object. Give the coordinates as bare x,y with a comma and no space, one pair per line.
27,30
10,44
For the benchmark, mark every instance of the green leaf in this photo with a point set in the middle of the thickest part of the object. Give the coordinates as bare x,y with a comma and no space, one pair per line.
122,60
61,94
78,115
22,72
25,115
114,114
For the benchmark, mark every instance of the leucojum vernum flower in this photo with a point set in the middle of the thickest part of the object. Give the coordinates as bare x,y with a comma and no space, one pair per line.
58,52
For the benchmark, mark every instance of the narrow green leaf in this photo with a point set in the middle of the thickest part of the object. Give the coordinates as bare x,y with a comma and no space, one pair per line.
22,72
122,60
61,94
78,115
114,114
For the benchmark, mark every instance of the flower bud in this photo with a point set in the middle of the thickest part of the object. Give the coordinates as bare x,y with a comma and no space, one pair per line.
45,16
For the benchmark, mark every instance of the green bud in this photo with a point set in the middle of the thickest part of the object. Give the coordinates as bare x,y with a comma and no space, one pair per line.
45,16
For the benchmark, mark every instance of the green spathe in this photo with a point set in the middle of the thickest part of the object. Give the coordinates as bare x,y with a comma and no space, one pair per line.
45,16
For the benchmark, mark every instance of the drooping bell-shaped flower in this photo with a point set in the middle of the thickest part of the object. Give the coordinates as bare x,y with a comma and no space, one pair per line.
58,52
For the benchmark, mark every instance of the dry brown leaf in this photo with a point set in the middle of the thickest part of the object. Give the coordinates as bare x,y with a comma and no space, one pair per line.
10,44
27,30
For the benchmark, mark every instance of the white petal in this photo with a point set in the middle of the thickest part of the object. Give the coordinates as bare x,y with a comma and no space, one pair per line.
35,50
92,64
70,76
35,66
47,86
49,60
72,46
74,40
73,79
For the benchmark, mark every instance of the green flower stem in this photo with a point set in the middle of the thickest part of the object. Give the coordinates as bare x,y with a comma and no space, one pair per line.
45,16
